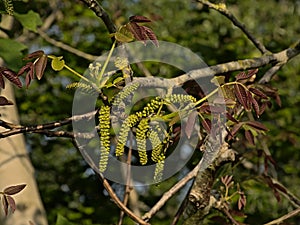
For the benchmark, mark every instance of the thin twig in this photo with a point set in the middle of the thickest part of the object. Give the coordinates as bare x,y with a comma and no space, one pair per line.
221,8
175,188
100,12
285,217
66,47
110,190
128,187
45,128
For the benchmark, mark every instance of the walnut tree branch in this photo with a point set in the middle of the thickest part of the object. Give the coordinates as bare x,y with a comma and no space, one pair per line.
221,8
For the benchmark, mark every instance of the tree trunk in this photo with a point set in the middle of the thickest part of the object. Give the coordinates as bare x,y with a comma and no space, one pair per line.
16,168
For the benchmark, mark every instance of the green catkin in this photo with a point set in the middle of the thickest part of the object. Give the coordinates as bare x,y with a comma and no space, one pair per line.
156,143
141,135
184,100
9,8
104,126
122,95
159,169
128,123
85,88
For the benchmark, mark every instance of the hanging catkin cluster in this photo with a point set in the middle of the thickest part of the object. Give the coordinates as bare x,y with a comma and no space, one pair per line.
104,126
141,140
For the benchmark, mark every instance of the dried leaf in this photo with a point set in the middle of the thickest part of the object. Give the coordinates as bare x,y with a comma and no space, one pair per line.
11,203
5,101
139,19
190,124
14,189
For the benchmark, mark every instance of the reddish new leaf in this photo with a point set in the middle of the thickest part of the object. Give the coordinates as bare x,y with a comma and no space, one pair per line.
242,96
255,106
151,36
34,55
257,125
5,101
2,84
11,76
40,66
14,189
11,203
236,128
138,32
249,136
258,92
206,123
242,201
139,19
231,118
246,75
190,125
226,179
5,205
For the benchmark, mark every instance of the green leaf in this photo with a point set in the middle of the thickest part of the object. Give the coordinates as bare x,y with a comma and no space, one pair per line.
30,20
124,35
57,63
11,52
62,220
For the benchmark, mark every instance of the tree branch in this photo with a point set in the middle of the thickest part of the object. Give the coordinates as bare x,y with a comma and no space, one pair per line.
285,217
221,8
100,12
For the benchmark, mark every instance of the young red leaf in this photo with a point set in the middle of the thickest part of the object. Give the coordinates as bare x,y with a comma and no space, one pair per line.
34,55
139,19
242,96
2,84
255,106
206,123
11,203
14,189
190,125
242,201
151,36
231,118
40,66
236,128
5,205
249,136
5,101
226,179
138,32
11,76
258,92
257,125
246,75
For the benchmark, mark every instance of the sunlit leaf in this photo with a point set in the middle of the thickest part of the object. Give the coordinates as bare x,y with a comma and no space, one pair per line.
30,20
40,66
124,34
57,63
